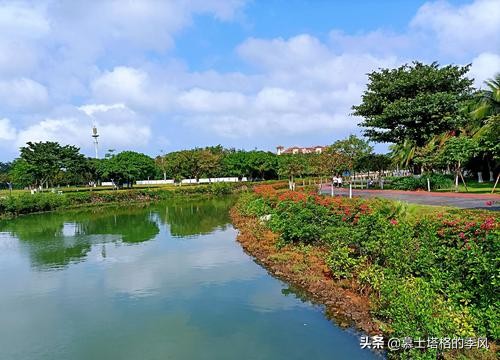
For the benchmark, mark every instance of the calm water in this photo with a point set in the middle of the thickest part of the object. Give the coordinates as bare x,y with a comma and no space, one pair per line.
166,281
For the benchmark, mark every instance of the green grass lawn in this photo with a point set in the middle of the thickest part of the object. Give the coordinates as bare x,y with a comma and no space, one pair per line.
475,188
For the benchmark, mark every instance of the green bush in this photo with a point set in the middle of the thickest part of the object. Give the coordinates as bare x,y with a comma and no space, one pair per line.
440,181
407,183
251,205
299,221
417,310
437,181
342,261
28,203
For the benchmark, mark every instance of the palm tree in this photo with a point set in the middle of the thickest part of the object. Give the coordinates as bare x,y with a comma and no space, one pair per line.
488,100
486,116
403,154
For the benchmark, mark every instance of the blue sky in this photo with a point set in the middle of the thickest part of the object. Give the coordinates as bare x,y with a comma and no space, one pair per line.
167,75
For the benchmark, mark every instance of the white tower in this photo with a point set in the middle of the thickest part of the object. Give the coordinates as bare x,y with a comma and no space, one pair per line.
95,135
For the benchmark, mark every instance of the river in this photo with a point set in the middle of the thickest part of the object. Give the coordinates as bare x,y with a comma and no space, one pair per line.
160,281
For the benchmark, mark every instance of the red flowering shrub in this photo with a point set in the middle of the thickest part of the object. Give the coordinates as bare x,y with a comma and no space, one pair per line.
294,196
266,191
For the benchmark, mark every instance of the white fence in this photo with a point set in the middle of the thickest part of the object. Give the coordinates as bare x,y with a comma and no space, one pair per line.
189,181
154,182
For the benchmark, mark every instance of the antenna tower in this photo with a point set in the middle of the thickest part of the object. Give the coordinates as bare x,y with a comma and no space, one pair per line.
95,135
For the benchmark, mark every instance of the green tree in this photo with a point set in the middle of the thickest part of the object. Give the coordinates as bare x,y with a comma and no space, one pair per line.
291,166
402,154
176,165
236,163
488,104
413,102
262,164
457,151
161,163
128,166
19,173
331,162
486,123
4,171
202,162
377,163
352,149
45,160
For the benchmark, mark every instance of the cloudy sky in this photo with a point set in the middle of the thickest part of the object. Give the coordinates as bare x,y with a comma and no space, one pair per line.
173,74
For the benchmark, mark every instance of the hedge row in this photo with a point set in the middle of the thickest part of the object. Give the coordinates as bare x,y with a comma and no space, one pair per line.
26,203
436,181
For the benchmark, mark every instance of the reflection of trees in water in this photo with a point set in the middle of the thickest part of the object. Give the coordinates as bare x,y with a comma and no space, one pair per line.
188,217
59,238
133,225
56,239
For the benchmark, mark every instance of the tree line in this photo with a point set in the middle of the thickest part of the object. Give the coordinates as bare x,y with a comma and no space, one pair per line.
49,164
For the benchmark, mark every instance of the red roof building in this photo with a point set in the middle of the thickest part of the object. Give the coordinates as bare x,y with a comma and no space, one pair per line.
300,150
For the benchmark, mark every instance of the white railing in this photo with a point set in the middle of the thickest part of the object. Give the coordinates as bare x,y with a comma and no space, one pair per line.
189,181
154,182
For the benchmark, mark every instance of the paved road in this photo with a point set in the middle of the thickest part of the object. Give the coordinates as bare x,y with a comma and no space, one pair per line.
461,200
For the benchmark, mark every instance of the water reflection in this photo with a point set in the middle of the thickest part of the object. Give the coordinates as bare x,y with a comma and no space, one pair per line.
193,217
57,239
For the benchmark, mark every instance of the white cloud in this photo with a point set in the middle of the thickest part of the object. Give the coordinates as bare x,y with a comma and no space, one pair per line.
118,126
115,24
303,87
7,131
467,28
91,109
221,9
300,50
271,125
484,67
377,42
200,100
23,94
19,20
64,130
59,43
21,28
131,86
276,99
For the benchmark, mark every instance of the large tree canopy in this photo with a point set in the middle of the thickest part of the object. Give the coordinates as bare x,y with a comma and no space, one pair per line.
413,102
45,160
253,164
128,166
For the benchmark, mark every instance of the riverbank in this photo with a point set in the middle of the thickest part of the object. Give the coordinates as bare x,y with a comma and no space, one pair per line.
27,203
380,266
305,268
